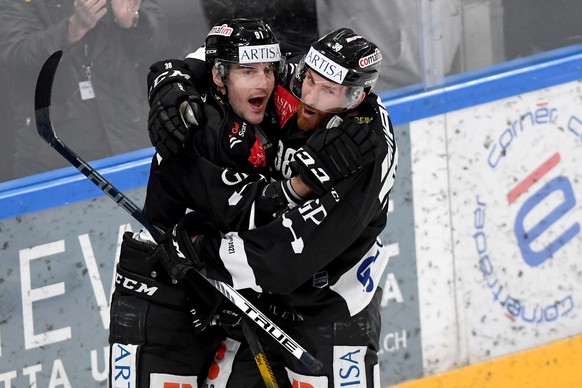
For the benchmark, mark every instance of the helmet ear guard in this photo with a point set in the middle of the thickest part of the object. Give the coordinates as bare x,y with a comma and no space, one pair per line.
221,67
218,73
356,95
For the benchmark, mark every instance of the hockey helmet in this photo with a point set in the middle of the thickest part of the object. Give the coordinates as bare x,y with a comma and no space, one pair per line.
339,58
243,41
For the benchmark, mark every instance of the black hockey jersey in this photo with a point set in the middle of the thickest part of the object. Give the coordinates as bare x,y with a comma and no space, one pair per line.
187,180
323,258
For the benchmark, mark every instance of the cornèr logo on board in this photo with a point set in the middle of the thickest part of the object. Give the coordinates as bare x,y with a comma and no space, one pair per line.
532,208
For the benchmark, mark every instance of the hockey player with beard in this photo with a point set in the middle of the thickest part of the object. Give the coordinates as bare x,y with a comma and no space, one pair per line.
160,331
319,259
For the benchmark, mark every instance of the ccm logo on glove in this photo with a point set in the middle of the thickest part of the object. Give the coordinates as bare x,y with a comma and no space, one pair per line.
304,157
169,74
176,245
134,285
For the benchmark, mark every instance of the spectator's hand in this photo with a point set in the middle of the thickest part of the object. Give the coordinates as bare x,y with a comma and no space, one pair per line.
334,153
176,107
89,12
125,12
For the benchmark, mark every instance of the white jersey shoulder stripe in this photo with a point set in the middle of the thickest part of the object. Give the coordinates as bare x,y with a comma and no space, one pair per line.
233,255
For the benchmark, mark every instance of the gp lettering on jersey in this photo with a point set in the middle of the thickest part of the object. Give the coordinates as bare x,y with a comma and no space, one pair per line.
256,54
325,66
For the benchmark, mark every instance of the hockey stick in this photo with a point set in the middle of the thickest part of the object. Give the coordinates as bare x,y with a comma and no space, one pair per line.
42,102
46,131
259,354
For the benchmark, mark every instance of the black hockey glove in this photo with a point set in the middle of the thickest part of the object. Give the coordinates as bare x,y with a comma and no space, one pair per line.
176,107
334,153
176,251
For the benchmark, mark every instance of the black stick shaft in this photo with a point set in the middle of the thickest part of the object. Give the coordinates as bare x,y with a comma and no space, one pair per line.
42,102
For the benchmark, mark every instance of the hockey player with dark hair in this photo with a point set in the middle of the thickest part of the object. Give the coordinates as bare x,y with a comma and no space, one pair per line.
155,325
158,330
319,259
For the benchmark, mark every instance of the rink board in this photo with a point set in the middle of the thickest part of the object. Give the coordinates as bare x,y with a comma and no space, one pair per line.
500,248
480,161
554,365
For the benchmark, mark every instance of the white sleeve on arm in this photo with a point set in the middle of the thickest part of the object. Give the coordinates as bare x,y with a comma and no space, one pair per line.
199,54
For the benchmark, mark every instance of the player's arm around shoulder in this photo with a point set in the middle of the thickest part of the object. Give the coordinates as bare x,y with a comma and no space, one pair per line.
374,113
375,180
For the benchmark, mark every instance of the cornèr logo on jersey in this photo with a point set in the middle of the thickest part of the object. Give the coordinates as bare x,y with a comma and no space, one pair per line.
325,66
370,59
223,30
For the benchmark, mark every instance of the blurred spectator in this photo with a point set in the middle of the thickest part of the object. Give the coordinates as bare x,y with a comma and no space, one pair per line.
6,126
187,27
293,22
99,105
533,26
395,27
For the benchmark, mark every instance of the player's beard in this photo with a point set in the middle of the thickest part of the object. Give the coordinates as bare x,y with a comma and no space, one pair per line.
312,122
